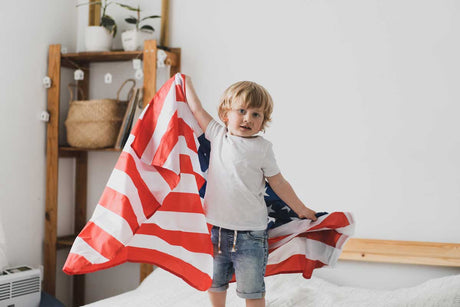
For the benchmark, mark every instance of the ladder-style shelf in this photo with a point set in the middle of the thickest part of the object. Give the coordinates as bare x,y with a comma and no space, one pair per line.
57,60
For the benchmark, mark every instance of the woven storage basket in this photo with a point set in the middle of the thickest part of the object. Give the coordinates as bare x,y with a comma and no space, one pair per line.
95,123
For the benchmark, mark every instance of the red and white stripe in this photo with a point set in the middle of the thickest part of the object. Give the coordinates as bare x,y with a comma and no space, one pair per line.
150,210
301,246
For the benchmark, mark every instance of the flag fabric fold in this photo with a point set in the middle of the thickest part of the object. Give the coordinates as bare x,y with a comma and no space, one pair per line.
151,210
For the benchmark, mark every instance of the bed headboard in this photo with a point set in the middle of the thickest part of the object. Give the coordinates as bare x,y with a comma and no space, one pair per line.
389,251
407,252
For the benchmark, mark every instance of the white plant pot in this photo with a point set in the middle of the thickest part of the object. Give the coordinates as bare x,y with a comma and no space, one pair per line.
98,38
134,40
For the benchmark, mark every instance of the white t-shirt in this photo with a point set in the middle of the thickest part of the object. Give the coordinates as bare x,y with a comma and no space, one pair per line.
236,179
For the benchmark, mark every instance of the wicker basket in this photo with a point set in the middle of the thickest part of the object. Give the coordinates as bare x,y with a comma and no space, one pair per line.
95,123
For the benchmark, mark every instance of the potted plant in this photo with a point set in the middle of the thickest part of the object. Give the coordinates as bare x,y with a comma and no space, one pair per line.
99,38
134,39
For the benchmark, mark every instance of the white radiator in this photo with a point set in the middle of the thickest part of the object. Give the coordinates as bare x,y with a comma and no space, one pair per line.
20,287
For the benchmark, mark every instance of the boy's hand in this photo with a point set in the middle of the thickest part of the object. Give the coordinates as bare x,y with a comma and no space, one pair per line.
306,213
188,81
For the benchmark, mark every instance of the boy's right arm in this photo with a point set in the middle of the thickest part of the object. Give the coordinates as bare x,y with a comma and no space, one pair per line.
203,118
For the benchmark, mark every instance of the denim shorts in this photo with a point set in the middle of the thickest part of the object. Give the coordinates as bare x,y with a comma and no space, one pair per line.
246,257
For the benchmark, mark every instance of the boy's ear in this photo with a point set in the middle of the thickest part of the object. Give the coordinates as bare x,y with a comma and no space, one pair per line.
224,117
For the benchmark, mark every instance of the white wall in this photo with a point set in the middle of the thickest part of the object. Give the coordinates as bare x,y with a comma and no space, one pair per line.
366,106
365,112
367,88
29,27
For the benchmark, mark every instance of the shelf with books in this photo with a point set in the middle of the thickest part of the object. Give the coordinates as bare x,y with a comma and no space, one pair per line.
132,111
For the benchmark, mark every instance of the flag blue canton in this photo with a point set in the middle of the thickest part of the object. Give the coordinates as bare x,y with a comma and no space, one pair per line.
204,150
278,212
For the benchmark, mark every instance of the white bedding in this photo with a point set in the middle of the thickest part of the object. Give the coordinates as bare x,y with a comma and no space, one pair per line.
163,289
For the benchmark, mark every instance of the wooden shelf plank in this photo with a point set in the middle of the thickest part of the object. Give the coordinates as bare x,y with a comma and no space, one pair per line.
73,60
406,252
52,158
65,241
109,56
67,150
150,76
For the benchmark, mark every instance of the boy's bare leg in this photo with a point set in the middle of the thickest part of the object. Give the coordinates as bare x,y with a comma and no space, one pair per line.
218,298
260,302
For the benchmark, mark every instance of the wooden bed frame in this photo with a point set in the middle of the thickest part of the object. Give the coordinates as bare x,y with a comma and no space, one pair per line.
388,251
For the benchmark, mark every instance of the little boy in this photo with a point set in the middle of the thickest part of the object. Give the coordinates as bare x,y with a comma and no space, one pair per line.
240,162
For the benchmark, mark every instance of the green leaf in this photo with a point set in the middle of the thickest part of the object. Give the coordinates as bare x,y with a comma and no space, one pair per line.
109,23
106,20
147,28
128,7
131,20
89,3
151,17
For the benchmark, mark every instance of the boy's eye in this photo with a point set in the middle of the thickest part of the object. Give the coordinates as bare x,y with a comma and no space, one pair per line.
256,115
242,111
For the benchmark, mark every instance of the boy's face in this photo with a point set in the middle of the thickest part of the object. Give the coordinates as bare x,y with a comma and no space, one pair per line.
244,121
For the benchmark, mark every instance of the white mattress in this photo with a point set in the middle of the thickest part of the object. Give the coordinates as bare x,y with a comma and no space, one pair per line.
164,289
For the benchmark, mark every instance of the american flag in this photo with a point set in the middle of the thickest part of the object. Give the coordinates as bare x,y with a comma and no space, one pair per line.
151,210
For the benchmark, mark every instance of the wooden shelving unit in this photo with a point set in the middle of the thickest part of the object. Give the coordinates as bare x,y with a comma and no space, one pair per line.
54,151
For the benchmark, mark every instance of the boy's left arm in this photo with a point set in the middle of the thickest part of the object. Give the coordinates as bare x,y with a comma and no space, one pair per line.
284,190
